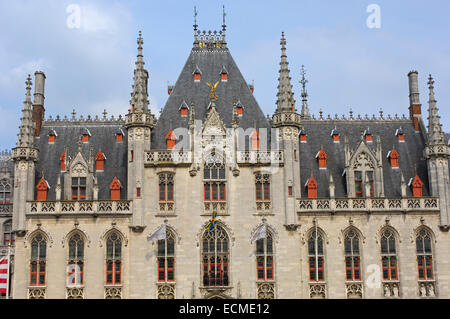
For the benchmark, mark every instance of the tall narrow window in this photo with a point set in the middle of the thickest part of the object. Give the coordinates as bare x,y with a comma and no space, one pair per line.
38,261
369,180
352,256
215,257
264,258
166,188
113,260
100,161
359,192
75,271
5,192
316,257
78,188
416,185
388,255
62,160
311,186
254,138
214,181
322,159
42,188
8,235
166,258
424,255
170,140
262,187
115,189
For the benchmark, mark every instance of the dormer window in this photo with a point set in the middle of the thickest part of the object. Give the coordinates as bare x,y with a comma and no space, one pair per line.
119,135
254,138
78,188
224,74
303,136
335,135
416,185
100,161
169,89
360,184
170,140
52,137
239,108
322,158
251,87
400,135
393,157
311,186
42,188
86,135
197,74
115,189
368,136
184,109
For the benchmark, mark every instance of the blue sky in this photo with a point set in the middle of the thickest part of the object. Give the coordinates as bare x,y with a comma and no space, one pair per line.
348,65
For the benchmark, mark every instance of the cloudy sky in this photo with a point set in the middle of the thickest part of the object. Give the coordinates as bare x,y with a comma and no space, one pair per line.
89,67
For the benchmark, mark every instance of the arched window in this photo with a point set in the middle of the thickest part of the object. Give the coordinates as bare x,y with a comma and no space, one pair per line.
352,256
5,192
214,180
38,260
166,258
215,257
262,187
316,257
166,187
113,260
389,255
75,270
264,258
424,255
8,236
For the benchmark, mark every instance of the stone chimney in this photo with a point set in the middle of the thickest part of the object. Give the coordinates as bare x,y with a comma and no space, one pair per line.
415,108
38,103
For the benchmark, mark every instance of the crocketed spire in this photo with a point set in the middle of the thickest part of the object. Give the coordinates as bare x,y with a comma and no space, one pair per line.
139,96
305,109
285,101
27,126
435,134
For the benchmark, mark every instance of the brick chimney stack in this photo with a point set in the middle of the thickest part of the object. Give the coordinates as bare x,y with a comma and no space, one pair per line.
415,108
38,103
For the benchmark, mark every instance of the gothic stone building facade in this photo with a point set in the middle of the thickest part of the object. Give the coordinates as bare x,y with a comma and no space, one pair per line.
353,207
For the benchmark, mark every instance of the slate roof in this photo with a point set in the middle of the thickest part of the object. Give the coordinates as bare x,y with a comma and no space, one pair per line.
68,134
318,134
210,62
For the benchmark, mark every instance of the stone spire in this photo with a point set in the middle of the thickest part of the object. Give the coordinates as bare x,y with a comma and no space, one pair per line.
435,134
305,109
139,97
27,126
285,101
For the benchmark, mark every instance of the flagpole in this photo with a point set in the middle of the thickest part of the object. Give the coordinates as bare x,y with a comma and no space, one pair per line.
8,269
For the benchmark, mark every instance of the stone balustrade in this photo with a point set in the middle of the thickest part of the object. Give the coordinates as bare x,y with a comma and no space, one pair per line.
368,204
260,157
79,207
6,209
164,157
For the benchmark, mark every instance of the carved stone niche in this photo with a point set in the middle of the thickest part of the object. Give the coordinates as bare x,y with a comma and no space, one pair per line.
166,291
36,293
266,290
354,290
427,289
317,291
391,289
75,293
113,292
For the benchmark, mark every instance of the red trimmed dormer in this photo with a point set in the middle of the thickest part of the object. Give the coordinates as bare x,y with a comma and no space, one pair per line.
62,160
416,185
393,157
42,188
322,158
100,161
119,137
303,136
311,186
224,76
115,189
170,140
254,138
368,136
51,137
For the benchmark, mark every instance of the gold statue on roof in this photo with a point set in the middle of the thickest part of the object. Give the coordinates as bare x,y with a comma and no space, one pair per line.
212,94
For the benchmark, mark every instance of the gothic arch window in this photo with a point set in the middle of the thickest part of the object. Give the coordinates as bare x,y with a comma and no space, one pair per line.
75,264
215,257
352,256
78,188
166,258
166,187
363,176
389,260
265,258
113,259
38,260
8,235
316,256
424,252
214,179
262,187
5,192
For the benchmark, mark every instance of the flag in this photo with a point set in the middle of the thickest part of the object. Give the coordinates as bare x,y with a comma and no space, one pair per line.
4,263
158,234
260,233
212,222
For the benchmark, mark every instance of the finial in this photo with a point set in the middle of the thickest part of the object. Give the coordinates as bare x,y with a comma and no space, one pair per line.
224,26
283,40
28,89
430,82
195,18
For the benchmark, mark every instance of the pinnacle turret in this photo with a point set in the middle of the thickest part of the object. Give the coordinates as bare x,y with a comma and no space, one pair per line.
435,133
139,97
27,126
305,109
285,101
